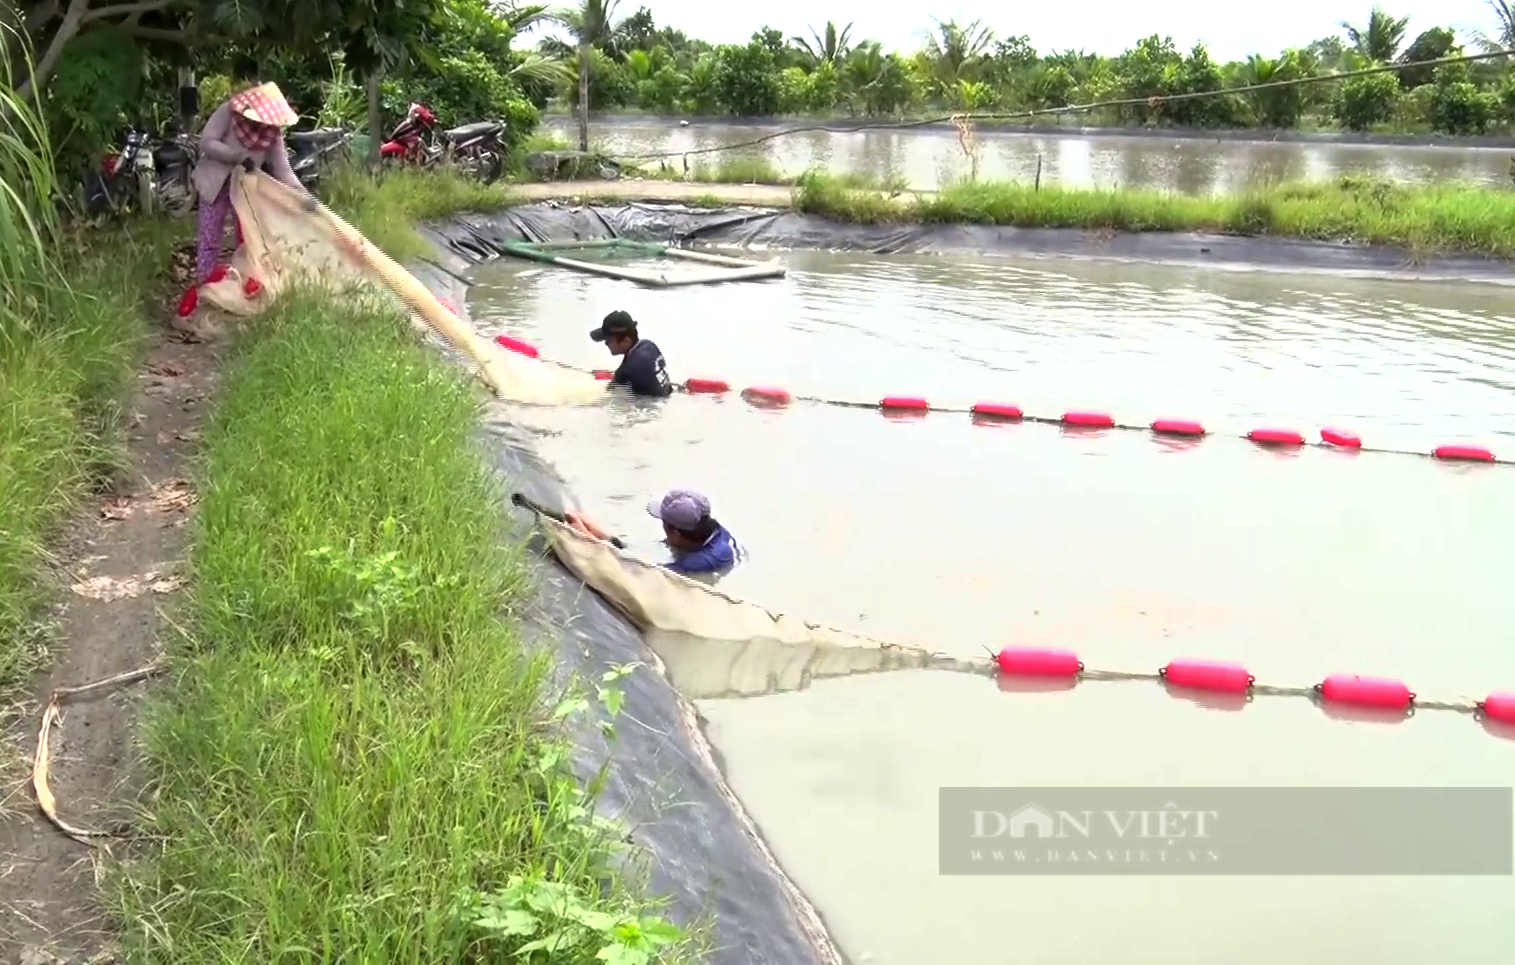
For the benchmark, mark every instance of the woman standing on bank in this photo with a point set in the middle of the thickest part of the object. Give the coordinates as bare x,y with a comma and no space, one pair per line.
248,132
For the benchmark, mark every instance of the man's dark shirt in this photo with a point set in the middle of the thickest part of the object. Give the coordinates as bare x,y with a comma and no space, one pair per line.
644,371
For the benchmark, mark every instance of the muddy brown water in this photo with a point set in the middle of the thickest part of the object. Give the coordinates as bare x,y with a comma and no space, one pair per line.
1128,550
927,159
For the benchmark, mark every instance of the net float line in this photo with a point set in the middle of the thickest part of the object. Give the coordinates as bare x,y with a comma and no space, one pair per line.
1229,685
992,413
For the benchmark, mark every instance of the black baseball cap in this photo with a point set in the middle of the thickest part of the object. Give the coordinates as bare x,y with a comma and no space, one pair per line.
616,323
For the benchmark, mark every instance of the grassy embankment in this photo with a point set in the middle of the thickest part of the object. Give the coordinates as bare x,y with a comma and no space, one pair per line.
359,758
74,317
1424,219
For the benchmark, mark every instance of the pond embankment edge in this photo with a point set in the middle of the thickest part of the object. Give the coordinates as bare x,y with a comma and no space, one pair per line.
659,211
662,777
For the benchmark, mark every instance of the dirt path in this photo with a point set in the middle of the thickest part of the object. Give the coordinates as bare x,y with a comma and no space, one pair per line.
121,563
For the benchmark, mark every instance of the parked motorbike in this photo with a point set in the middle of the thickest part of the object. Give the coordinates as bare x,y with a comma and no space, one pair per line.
144,174
125,181
309,151
409,142
477,148
174,158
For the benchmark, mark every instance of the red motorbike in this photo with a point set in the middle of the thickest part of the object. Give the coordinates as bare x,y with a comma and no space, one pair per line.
409,142
477,148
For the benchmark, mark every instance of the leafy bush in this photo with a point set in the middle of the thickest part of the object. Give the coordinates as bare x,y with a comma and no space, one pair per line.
1366,101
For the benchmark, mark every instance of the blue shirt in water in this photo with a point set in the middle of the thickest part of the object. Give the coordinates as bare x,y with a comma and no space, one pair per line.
644,371
720,552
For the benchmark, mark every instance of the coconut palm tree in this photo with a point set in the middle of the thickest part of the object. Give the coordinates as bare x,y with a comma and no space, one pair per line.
1503,37
1381,37
830,47
954,49
591,24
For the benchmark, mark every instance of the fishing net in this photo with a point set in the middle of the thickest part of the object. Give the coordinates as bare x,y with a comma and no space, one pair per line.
711,644
283,244
716,646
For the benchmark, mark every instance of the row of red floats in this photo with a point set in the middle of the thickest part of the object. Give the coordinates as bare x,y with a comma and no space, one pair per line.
770,396
1232,678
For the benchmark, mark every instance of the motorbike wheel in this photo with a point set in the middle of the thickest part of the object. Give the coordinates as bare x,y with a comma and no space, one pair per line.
147,191
176,197
493,165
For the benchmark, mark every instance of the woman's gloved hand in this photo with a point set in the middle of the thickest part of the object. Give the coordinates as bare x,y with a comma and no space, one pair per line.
248,165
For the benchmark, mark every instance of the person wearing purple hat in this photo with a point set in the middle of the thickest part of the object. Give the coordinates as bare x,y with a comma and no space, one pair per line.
698,542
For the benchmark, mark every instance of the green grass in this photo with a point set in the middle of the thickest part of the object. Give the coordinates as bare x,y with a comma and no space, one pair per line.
74,311
735,169
1424,219
386,208
356,739
66,366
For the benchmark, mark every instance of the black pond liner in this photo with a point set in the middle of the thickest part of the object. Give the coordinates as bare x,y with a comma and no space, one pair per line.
477,238
663,779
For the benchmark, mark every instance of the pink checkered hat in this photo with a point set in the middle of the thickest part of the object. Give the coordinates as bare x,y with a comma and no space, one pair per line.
264,104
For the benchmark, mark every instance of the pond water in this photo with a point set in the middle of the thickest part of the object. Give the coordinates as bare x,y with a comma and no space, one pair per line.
929,158
1127,550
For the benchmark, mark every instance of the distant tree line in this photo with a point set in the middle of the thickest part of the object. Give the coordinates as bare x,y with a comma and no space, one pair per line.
99,64
632,63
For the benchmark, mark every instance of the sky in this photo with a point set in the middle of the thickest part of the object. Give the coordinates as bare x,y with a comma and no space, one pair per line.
1096,26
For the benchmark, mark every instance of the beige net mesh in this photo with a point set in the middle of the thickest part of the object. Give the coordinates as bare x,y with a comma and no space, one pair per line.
713,645
284,243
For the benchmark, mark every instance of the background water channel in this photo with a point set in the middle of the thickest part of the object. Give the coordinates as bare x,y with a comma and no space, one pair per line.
929,158
1130,551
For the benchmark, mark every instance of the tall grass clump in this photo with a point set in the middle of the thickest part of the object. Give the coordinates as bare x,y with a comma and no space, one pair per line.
386,207
739,169
72,327
1439,217
356,762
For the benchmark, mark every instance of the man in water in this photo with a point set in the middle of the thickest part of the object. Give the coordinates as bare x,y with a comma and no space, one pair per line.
642,369
698,542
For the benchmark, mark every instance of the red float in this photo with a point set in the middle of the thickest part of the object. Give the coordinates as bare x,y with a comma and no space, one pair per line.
766,395
913,403
1224,678
1177,427
1463,453
706,385
604,375
516,345
997,410
1336,437
1346,688
1276,437
1088,420
1038,662
1499,706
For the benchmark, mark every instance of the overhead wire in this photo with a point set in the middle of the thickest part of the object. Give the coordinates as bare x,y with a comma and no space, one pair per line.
1152,101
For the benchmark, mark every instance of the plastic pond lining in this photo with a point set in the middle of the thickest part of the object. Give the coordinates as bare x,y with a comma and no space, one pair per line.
480,238
662,779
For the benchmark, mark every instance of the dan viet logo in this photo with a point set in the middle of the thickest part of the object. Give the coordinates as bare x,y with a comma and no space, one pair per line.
1036,834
